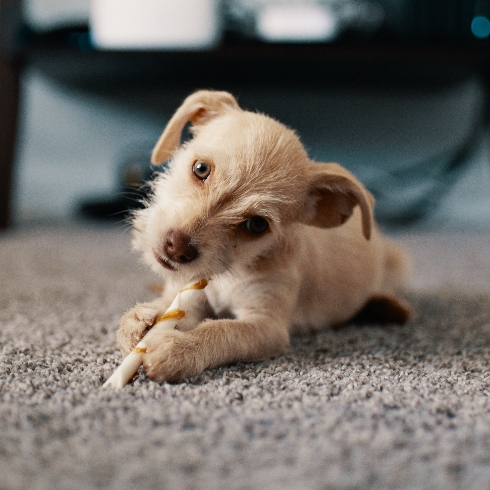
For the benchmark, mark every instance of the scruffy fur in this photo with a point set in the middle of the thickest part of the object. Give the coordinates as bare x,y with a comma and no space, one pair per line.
320,261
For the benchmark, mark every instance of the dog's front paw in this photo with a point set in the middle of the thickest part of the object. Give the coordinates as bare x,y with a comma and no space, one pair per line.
172,358
134,325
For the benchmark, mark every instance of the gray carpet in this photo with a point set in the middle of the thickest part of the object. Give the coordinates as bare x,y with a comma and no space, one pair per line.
358,407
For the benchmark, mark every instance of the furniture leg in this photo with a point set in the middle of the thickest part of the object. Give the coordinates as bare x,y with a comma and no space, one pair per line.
9,109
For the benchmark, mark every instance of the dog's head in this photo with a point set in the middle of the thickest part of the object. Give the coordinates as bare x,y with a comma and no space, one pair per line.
232,191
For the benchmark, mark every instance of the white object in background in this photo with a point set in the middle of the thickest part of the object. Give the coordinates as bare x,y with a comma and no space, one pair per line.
297,22
43,15
304,20
155,24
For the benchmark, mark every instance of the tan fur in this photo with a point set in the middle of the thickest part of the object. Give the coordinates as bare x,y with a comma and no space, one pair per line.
319,263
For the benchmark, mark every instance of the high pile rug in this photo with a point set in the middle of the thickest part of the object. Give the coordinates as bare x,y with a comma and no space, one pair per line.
357,407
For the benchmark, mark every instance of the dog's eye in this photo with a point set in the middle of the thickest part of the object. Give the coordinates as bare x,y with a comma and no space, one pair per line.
201,170
256,225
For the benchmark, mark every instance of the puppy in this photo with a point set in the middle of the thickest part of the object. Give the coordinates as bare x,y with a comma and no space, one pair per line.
288,243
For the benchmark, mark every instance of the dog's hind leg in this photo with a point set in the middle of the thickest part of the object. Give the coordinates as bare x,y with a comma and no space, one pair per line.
383,308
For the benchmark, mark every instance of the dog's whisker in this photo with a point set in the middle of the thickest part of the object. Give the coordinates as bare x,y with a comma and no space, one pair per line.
126,224
231,270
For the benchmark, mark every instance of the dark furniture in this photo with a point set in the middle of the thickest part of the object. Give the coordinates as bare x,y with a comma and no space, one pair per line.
237,65
9,101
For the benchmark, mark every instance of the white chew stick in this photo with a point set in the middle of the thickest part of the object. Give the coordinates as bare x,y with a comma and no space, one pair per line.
182,313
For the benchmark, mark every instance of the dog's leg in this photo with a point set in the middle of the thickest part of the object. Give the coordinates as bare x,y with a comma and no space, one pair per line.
384,308
180,355
135,323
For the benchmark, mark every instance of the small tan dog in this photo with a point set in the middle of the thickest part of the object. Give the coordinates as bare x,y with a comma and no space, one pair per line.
288,242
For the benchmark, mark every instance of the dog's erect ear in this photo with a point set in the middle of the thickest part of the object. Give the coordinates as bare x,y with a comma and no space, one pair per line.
333,193
198,108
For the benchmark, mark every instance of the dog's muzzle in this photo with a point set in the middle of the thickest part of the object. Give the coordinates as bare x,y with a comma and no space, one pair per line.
177,249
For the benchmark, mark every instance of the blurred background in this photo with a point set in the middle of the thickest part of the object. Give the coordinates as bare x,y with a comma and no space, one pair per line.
395,90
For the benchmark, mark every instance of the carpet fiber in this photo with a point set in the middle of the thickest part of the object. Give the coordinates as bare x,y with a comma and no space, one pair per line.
357,407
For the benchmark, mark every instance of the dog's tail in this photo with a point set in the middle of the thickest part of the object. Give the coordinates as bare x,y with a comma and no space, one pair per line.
397,267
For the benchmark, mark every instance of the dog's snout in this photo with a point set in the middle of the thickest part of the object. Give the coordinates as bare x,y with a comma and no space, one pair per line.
177,247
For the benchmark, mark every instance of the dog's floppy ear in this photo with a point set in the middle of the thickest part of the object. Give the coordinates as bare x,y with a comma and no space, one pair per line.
332,194
198,108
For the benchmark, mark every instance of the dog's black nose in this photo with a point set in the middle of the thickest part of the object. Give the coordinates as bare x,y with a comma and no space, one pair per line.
177,247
